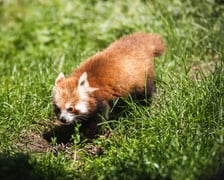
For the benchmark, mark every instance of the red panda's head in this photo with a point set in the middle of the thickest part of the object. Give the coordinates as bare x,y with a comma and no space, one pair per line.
72,98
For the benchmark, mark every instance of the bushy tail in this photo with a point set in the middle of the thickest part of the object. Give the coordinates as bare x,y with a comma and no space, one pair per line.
158,46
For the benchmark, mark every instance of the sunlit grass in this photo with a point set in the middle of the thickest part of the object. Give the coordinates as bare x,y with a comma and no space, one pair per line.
178,136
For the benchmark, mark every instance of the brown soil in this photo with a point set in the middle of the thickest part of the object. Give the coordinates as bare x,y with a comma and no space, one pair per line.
202,68
32,143
42,142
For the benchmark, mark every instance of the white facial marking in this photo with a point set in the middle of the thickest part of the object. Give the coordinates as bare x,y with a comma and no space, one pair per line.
68,116
82,106
67,105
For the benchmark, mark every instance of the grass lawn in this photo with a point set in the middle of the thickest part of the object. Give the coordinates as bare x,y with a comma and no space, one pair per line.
180,135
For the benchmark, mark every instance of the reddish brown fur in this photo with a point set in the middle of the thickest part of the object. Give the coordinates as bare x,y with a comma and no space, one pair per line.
122,68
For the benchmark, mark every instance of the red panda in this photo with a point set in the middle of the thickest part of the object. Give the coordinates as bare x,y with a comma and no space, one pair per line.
126,67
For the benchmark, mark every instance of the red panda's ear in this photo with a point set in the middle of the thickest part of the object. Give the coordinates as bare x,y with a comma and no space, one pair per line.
83,85
83,80
59,78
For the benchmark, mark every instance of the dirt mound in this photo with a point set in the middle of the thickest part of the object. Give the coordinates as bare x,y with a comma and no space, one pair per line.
59,138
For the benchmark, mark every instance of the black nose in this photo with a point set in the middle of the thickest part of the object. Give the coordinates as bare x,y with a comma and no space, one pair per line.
62,119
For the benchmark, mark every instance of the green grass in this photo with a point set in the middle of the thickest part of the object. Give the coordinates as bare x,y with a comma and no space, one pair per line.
180,135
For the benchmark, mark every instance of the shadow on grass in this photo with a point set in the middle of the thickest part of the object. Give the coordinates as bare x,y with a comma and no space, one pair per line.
17,167
218,174
91,129
21,166
215,171
63,133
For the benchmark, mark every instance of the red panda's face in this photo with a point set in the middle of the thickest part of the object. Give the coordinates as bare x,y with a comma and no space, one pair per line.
72,98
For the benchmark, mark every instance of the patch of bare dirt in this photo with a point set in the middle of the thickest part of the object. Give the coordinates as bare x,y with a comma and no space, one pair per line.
32,142
200,69
42,142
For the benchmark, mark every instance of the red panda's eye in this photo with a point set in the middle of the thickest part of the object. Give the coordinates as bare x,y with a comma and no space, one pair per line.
70,109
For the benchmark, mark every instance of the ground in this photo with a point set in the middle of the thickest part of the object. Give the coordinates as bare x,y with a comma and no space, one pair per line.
178,135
